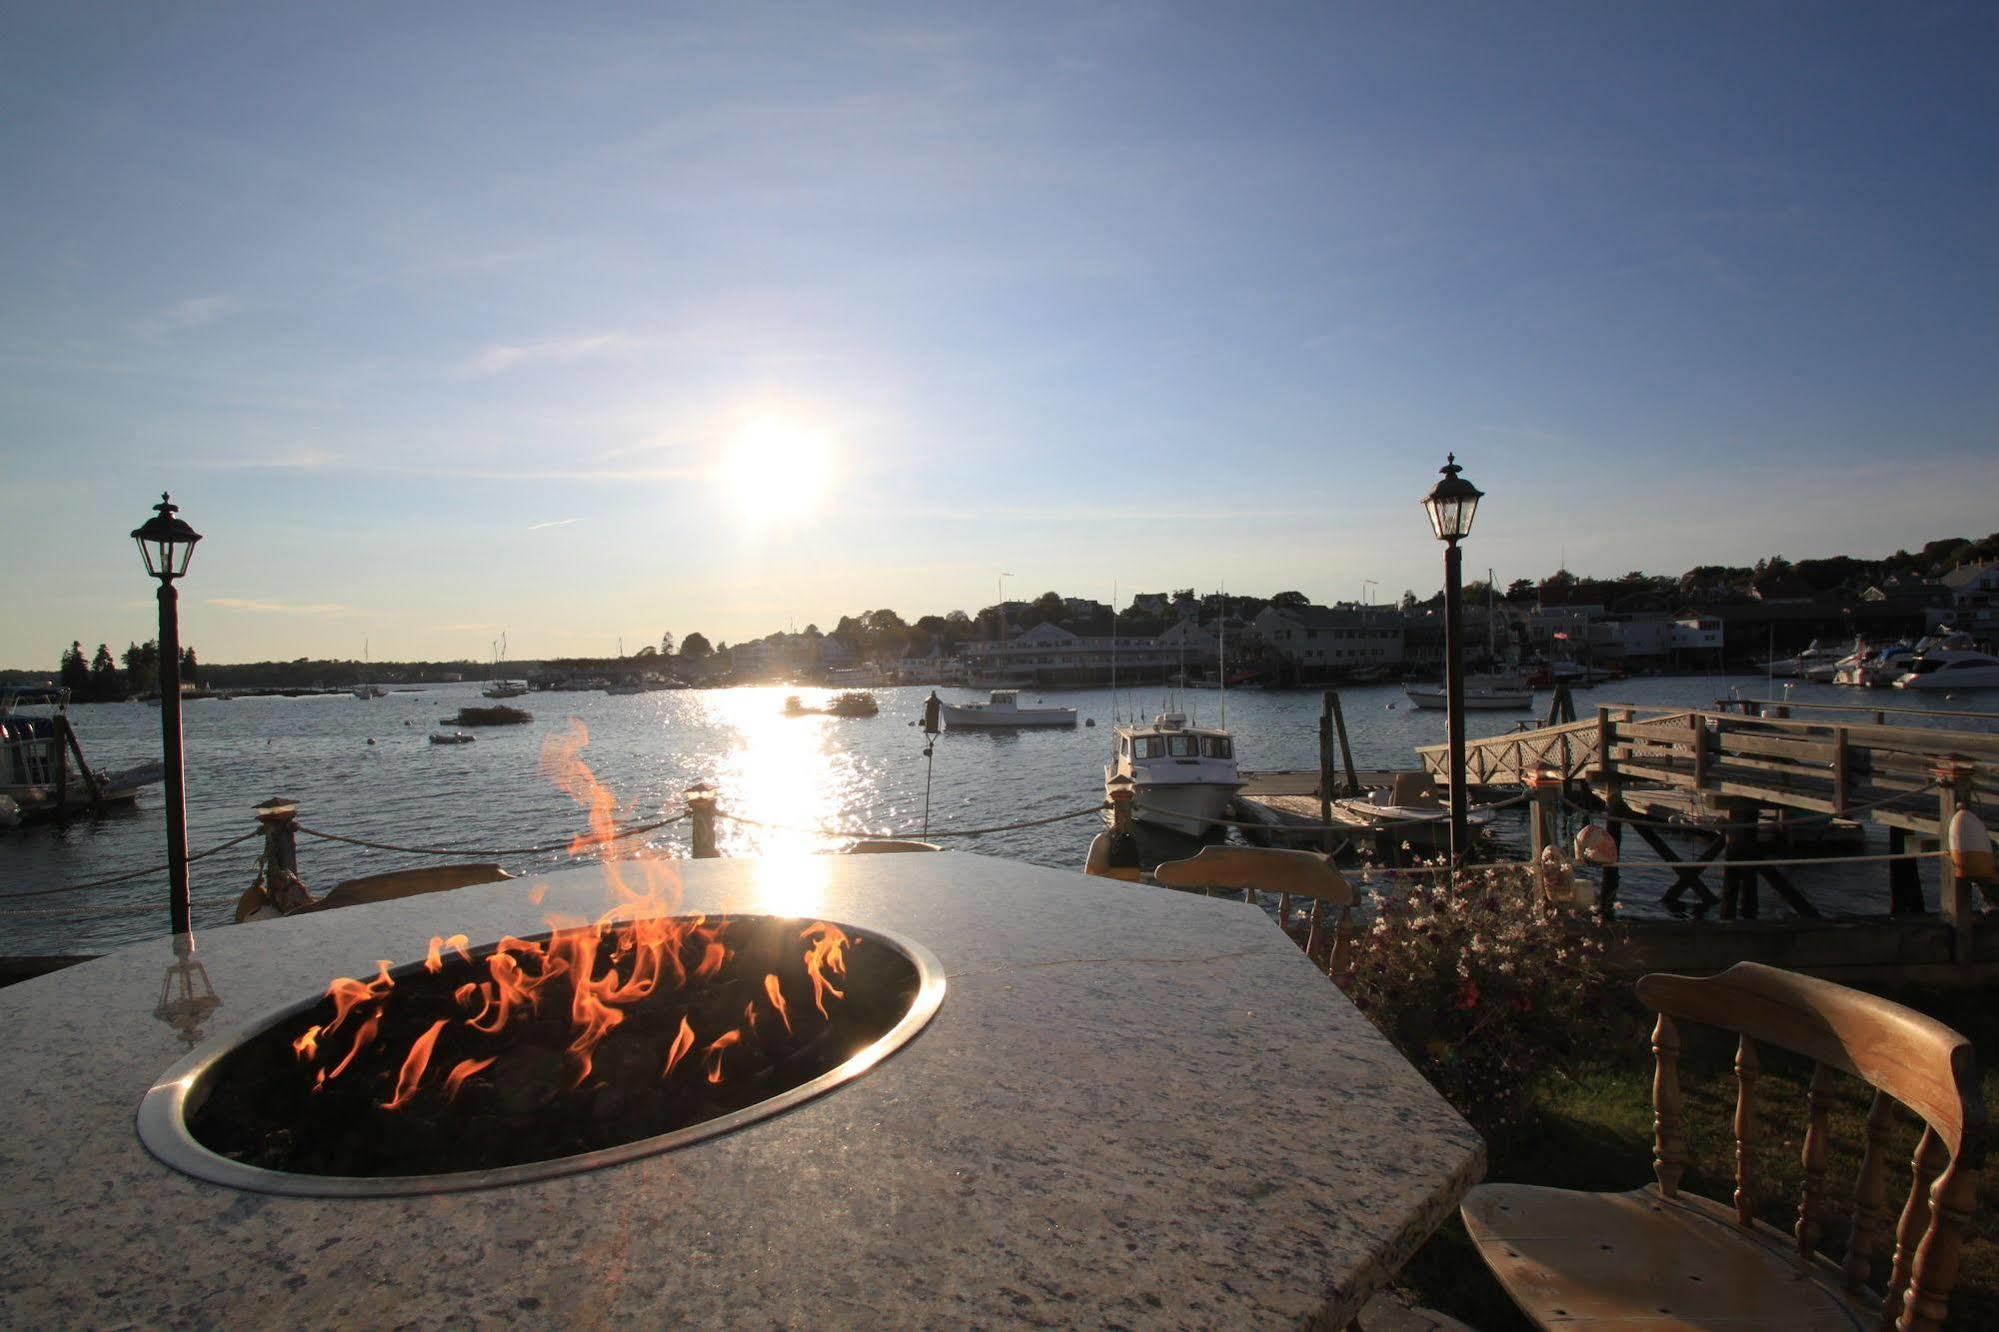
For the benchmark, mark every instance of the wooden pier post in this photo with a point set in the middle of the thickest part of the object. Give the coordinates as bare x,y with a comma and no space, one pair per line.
1613,808
279,817
1326,774
701,814
1738,886
1905,880
1544,789
1953,892
1346,750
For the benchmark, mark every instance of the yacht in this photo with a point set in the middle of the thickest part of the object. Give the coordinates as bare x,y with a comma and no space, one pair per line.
1182,776
365,692
1816,657
1003,709
1952,669
507,689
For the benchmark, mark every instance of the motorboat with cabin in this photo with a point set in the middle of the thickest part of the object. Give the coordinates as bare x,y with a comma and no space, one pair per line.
1816,656
1003,710
507,689
1183,777
1952,668
43,772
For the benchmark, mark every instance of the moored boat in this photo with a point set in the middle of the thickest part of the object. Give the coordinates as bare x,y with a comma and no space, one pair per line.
1483,693
1183,777
1952,669
1003,710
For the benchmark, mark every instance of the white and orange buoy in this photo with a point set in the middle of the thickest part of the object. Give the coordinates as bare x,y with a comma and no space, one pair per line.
1594,845
1970,848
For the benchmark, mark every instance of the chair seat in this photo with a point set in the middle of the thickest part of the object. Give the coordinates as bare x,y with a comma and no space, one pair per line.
1639,1260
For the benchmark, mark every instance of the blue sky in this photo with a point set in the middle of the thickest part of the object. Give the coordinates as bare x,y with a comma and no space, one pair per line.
446,320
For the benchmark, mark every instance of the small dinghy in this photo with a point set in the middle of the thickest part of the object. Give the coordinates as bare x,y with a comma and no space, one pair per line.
451,738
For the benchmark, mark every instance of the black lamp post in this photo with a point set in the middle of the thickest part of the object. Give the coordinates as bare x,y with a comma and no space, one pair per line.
1451,503
166,544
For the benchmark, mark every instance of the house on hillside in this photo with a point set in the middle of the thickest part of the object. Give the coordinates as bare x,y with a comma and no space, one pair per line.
1974,599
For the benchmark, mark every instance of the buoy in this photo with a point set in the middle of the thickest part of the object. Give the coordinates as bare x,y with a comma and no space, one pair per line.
1089,721
1970,847
1558,880
371,739
1594,845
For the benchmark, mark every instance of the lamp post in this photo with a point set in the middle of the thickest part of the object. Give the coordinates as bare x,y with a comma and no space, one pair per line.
1451,503
166,544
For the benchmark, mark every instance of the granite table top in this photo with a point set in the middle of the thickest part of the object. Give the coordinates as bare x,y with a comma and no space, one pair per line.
1135,1108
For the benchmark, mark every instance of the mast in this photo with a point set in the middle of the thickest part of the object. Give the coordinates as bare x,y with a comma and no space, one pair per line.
1222,655
1114,710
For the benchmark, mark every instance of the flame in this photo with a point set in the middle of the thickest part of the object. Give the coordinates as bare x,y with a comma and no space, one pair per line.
434,962
361,1039
635,950
414,1064
712,1056
776,994
455,1079
826,954
682,1043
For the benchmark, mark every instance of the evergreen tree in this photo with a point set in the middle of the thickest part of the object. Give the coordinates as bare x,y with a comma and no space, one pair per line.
104,680
75,671
189,669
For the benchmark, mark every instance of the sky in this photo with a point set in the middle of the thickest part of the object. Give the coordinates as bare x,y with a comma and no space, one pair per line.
585,323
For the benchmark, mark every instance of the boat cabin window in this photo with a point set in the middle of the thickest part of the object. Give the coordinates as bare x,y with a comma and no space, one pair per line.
1180,746
1217,747
1148,746
1124,745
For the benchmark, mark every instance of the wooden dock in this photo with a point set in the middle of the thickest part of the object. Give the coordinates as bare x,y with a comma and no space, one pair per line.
1740,772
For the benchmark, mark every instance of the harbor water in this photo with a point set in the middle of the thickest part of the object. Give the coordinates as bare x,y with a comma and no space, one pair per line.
792,774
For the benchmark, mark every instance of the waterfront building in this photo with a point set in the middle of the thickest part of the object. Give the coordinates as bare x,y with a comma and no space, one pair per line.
1312,643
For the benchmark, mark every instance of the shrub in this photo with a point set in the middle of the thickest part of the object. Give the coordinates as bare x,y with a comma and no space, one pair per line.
1480,985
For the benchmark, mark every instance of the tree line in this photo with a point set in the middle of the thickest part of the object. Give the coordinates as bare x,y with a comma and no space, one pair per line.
101,679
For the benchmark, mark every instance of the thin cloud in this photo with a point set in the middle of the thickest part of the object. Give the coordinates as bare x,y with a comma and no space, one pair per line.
463,628
256,607
195,312
543,527
499,357
296,460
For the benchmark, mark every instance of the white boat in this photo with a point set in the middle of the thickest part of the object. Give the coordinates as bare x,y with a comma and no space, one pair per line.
1003,710
1182,776
1410,811
507,689
1483,693
42,771
1952,669
451,738
1817,656
368,691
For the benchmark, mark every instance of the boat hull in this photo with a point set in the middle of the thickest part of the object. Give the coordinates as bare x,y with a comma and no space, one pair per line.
1475,700
979,717
1183,807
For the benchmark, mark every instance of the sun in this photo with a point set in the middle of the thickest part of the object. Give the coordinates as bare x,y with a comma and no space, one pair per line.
777,468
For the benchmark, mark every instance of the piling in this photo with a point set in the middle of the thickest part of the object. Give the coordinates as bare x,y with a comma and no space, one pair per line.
701,820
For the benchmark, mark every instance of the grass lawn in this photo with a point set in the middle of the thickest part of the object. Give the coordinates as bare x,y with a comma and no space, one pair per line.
1592,1129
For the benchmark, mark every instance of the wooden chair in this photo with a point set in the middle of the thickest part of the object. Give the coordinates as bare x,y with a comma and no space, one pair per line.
1251,870
1657,1257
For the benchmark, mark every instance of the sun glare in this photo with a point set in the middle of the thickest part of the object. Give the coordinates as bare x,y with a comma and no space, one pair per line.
776,469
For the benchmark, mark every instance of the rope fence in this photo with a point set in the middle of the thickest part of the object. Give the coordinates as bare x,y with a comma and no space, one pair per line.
572,845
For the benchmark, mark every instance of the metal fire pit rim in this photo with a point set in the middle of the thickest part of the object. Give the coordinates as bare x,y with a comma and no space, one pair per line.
162,1115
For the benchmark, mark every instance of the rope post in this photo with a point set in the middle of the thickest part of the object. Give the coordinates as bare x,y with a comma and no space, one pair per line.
701,816
279,818
1544,788
1953,776
1114,854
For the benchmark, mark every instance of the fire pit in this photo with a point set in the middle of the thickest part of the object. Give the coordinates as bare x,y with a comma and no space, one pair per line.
591,1045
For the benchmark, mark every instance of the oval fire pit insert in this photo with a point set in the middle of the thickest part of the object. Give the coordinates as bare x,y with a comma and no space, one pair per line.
474,1069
